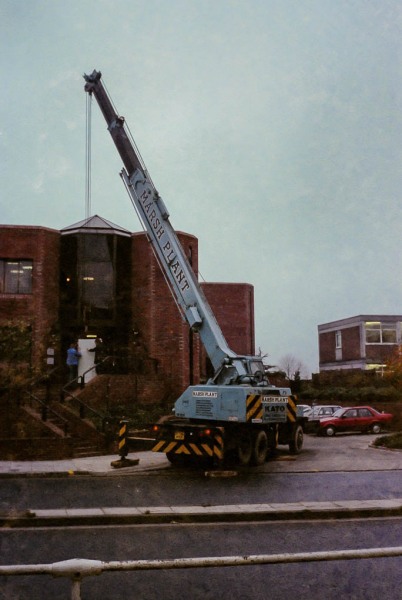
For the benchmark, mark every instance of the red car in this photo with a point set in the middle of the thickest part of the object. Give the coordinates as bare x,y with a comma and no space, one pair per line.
355,418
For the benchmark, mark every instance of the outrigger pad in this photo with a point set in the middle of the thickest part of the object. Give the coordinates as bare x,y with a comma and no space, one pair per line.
124,462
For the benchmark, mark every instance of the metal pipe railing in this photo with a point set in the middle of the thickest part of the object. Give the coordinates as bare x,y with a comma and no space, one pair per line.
77,569
46,410
82,406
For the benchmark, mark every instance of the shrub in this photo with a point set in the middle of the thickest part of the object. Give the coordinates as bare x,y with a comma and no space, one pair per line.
393,441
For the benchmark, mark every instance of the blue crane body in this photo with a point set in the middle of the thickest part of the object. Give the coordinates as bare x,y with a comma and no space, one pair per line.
237,412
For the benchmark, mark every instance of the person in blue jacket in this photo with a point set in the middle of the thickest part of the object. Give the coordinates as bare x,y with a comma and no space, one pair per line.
73,356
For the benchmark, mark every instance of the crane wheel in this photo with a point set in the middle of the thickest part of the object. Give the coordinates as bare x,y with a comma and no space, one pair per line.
260,448
296,441
245,449
177,459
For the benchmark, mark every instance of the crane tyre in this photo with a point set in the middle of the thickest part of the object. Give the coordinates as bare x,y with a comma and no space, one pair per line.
296,441
180,460
175,459
185,460
260,448
245,449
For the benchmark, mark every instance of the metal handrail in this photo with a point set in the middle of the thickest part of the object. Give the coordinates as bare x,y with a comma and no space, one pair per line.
43,376
79,401
47,409
80,380
77,569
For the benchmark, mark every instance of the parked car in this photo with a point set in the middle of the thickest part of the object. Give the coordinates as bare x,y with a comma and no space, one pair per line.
304,410
320,412
317,413
355,418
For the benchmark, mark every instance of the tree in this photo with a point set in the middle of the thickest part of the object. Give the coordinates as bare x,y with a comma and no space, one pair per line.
393,371
15,354
292,367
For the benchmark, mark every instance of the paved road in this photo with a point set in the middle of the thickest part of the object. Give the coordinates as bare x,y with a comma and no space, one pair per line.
332,468
341,469
344,452
190,489
367,579
341,453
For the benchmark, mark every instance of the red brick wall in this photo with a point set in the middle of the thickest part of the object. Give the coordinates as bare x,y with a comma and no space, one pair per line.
351,343
380,353
163,335
41,308
326,343
233,307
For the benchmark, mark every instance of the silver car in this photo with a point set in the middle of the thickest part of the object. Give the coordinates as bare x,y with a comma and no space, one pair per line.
304,410
320,412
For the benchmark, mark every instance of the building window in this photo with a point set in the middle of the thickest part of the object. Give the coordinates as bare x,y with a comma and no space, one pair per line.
96,270
15,276
380,333
389,333
338,339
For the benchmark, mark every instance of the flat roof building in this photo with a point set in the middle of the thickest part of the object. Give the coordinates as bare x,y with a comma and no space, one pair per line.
362,342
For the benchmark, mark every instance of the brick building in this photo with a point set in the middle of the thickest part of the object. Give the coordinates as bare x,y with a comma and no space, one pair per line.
29,283
363,342
96,278
233,305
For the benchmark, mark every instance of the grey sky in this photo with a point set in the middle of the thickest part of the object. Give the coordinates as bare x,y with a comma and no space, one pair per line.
272,129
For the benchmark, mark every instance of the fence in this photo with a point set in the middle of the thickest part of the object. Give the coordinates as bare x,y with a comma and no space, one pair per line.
77,569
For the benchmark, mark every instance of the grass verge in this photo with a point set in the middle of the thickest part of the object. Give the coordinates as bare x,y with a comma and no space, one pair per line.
394,441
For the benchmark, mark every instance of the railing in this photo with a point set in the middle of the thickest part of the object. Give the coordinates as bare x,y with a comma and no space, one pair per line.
80,381
77,569
46,410
44,404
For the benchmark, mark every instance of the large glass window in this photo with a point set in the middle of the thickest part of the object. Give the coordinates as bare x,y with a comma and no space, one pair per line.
95,281
16,276
388,333
380,333
96,274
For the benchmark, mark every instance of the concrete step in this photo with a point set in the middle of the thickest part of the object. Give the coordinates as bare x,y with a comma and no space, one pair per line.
52,422
82,449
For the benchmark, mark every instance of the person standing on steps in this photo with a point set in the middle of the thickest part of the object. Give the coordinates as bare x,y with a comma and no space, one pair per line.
99,354
73,356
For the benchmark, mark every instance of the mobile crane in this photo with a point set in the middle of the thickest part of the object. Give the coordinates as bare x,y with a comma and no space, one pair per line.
237,413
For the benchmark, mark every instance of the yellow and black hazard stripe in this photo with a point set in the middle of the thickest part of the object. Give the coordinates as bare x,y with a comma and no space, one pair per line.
178,447
291,409
123,438
213,448
219,444
253,408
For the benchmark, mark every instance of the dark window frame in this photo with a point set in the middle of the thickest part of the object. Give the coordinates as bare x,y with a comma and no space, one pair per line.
22,283
381,333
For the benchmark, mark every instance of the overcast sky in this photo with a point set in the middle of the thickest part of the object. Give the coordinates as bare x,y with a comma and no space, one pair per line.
271,128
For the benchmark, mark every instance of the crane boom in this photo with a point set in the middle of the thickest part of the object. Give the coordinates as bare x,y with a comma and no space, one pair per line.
154,215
